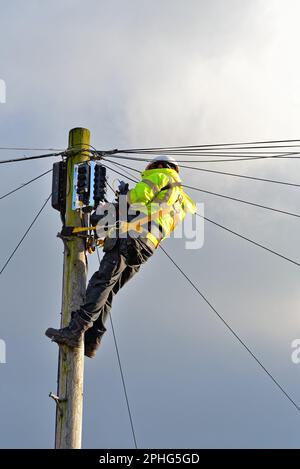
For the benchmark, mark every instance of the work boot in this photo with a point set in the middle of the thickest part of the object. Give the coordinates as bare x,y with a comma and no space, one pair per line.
90,348
93,337
70,335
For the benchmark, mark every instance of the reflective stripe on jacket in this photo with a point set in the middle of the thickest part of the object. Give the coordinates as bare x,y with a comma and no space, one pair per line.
166,207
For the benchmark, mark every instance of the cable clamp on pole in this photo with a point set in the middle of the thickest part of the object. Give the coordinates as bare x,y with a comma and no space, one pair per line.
69,233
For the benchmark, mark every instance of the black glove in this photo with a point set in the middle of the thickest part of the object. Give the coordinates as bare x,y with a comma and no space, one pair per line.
123,188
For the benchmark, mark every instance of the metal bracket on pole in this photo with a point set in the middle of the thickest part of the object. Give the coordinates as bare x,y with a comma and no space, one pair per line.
57,401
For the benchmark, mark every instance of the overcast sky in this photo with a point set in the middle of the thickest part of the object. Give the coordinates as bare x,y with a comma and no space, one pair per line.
156,73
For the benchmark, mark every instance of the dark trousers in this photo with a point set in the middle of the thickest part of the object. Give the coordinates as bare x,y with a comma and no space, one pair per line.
117,267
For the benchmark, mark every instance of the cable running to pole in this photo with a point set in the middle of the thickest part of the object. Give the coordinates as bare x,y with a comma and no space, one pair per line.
284,156
222,173
121,373
24,235
25,184
27,158
272,251
284,212
232,331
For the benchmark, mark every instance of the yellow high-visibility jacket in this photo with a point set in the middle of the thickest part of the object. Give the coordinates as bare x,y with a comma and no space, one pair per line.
161,196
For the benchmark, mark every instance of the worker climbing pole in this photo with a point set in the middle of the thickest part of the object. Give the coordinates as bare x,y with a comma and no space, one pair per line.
78,186
153,208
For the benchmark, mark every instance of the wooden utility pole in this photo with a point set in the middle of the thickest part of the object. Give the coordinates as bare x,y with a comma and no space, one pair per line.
71,362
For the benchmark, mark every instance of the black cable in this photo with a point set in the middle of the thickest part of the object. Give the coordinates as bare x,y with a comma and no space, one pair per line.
25,234
243,201
232,330
223,173
232,154
123,166
235,233
256,158
126,171
110,186
121,372
25,184
214,152
225,197
249,240
209,152
221,317
283,156
241,176
30,149
206,147
123,381
25,158
121,174
265,142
